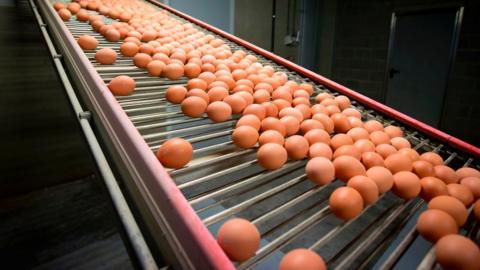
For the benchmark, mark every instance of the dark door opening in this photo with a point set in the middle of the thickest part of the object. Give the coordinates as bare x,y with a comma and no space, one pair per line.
421,49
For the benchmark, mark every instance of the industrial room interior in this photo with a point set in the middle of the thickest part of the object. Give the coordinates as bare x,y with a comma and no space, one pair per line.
240,134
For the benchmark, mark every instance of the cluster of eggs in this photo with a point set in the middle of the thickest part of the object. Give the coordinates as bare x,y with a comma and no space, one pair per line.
278,116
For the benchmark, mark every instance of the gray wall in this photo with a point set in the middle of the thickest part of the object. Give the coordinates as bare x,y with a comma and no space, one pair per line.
218,13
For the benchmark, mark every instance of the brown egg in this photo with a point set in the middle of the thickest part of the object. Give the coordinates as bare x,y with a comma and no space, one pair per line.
340,123
192,70
399,143
423,168
249,120
365,145
129,49
272,156
297,147
472,183
271,136
196,83
270,109
141,60
65,14
112,35
434,158
446,174
217,93
406,185
291,112
367,188
398,162
451,206
466,172
320,170
434,224
322,96
175,94
457,252
310,124
347,150
173,71
393,131
87,42
379,137
385,150
219,111
106,56
281,104
382,177
326,121
332,109
461,192
358,134
352,112
346,203
340,140
57,6
320,150
198,93
149,49
372,159
347,167
305,110
272,123
175,153
82,16
255,109
302,259
411,153
245,136
239,239
194,106
122,85
373,125
355,122
73,7
155,68
236,102
317,135
432,187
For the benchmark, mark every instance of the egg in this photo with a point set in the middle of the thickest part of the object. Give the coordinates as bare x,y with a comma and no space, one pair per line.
365,145
297,147
399,143
326,121
271,136
236,102
317,135
239,239
358,133
347,150
434,158
346,203
406,185
129,49
175,94
322,96
270,109
367,188
281,104
379,137
219,111
372,159
373,125
173,71
340,140
175,153
271,156
249,120
451,206
382,177
155,67
340,123
82,16
192,70
434,224
87,42
423,168
199,93
472,183
302,259
398,162
58,5
446,174
393,131
255,109
112,35
411,153
320,150
320,170
457,252
352,112
65,14
217,93
432,187
141,60
106,56
355,122
272,123
347,167
291,112
245,136
122,85
193,106
310,124
466,172
461,192
385,150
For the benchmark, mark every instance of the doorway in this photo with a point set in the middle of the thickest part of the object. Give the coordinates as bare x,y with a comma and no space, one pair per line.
421,49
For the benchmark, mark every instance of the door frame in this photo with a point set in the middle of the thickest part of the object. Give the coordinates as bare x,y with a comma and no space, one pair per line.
458,8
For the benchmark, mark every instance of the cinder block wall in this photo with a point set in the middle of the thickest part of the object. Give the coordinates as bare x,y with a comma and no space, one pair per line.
360,56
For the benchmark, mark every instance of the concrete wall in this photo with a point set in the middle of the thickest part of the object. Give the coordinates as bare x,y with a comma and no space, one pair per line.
360,54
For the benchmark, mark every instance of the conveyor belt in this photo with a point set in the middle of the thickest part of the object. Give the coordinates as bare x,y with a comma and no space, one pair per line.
222,181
